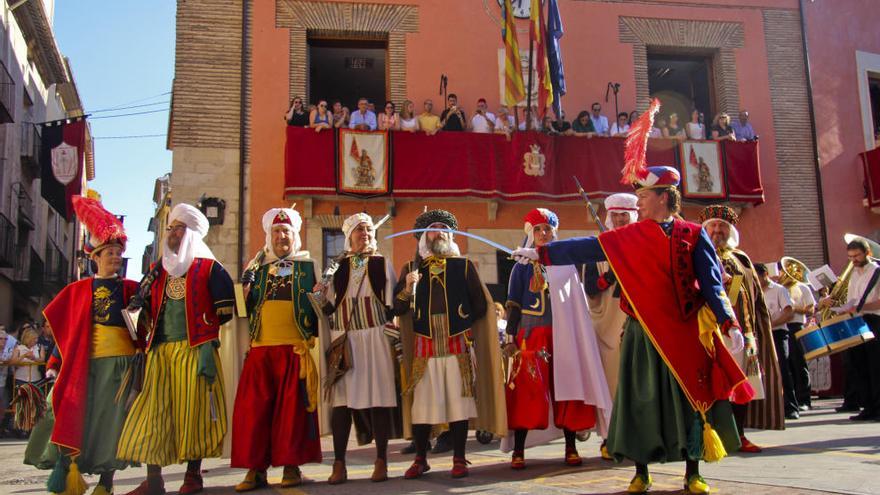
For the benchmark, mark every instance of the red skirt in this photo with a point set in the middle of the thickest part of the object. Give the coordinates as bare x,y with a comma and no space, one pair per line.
529,390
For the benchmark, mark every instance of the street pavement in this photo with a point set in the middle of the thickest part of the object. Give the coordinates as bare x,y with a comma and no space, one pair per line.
823,452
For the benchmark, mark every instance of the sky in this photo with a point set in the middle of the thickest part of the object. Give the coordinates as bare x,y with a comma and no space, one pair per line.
122,55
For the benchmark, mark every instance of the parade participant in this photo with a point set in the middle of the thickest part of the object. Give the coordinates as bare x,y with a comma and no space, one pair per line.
556,367
604,296
275,421
758,358
95,349
676,375
779,306
358,358
180,415
803,305
450,345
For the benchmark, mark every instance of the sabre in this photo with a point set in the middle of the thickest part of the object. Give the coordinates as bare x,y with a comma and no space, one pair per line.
494,244
589,204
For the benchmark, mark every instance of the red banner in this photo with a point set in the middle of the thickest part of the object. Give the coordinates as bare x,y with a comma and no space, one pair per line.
528,166
871,162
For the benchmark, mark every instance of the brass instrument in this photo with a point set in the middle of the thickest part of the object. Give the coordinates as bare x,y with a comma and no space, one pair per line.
792,270
838,293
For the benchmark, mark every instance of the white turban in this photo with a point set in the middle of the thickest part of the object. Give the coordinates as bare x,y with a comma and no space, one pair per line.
352,223
621,202
285,217
191,244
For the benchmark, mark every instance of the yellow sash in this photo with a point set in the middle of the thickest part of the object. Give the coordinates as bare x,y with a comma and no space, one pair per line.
279,327
111,341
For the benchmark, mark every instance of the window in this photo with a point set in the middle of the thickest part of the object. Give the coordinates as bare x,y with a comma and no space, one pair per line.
333,242
682,81
874,92
346,70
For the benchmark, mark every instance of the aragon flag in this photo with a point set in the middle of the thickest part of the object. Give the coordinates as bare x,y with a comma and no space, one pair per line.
61,157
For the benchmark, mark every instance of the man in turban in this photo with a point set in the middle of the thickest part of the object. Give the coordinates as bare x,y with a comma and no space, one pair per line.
180,415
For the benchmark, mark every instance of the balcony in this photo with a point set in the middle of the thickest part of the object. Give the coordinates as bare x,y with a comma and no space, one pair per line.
530,166
29,273
25,206
56,268
7,242
7,95
30,147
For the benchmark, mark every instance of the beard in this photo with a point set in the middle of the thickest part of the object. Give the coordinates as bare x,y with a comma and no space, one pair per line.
441,246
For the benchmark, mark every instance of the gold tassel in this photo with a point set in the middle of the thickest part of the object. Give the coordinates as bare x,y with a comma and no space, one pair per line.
76,484
713,448
419,365
467,375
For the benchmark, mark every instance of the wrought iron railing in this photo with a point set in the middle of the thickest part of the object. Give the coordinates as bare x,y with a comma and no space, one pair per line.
7,96
25,205
30,146
7,242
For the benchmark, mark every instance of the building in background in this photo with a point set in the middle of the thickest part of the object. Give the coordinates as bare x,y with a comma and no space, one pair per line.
39,246
159,221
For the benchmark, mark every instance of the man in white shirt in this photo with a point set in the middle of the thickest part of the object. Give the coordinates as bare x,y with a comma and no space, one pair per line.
863,294
483,121
779,306
803,305
600,122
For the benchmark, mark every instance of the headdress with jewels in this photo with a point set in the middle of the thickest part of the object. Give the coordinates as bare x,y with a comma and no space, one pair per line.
104,228
721,213
635,172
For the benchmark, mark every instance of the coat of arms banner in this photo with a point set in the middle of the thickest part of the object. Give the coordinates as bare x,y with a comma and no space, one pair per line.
362,163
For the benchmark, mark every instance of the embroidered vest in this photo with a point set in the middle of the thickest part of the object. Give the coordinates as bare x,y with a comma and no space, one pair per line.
375,275
302,282
202,323
458,304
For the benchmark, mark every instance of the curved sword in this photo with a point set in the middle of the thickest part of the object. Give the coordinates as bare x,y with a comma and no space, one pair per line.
494,244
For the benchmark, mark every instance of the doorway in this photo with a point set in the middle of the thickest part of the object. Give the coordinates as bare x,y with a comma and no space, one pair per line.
347,69
682,82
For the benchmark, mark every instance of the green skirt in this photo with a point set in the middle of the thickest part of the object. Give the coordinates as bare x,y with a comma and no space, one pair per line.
104,420
652,417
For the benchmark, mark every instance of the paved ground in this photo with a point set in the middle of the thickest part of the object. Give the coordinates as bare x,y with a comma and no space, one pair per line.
823,452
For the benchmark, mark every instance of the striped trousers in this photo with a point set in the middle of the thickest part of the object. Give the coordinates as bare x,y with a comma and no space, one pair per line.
178,415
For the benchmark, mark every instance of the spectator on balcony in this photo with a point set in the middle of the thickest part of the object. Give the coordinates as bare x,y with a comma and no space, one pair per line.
673,130
562,126
632,117
659,129
389,120
621,127
483,121
340,114
408,120
296,115
721,129
363,119
536,124
583,125
743,129
453,118
547,125
428,121
371,106
320,118
504,123
695,128
600,122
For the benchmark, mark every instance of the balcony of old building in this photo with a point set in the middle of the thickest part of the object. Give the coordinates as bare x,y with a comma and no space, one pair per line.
30,148
29,272
57,268
7,95
7,242
26,211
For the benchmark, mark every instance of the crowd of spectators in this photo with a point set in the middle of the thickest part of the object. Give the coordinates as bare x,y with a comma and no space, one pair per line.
23,353
505,121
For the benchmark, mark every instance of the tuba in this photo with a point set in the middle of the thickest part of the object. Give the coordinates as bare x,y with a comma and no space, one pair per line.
792,270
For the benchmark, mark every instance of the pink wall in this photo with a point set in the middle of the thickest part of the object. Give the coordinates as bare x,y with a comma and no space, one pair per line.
461,39
835,31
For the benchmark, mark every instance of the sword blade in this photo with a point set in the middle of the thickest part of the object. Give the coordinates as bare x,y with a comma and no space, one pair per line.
482,239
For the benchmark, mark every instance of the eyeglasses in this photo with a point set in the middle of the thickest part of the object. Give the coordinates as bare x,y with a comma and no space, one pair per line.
171,228
322,105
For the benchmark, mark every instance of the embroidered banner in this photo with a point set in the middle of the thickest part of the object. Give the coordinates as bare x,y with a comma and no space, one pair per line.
362,161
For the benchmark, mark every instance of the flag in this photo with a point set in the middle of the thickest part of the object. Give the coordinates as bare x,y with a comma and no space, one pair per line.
62,148
538,35
554,54
693,158
514,91
354,152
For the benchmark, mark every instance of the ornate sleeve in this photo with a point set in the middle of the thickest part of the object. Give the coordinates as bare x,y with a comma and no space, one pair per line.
571,251
708,273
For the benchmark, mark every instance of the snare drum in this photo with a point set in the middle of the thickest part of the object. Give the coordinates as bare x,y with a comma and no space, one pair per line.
834,335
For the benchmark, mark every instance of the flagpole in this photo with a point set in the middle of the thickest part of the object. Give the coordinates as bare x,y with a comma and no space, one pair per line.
529,91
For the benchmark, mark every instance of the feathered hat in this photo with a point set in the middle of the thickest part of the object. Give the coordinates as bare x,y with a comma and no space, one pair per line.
104,228
634,171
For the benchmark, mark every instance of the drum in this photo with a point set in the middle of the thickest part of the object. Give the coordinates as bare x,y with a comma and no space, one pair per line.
834,335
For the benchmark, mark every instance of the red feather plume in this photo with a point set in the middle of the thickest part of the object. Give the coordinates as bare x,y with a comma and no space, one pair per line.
101,224
637,144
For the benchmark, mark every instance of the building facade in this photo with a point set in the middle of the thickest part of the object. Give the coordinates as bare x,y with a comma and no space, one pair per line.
239,65
38,245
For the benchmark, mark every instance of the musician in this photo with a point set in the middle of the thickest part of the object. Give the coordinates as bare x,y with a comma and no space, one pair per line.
803,306
446,328
780,307
765,411
863,299
555,350
668,395
358,357
604,296
180,415
97,349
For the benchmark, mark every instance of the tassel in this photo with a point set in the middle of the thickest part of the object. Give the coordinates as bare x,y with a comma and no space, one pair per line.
713,449
695,441
57,481
76,484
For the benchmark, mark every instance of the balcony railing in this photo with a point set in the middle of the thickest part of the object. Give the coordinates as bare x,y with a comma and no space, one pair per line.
25,206
29,273
528,166
56,267
30,147
7,95
7,242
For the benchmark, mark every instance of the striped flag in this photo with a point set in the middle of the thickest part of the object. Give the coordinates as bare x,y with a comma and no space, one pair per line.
538,35
514,90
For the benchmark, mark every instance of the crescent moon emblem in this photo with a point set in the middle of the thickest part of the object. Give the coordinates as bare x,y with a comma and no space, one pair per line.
462,313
